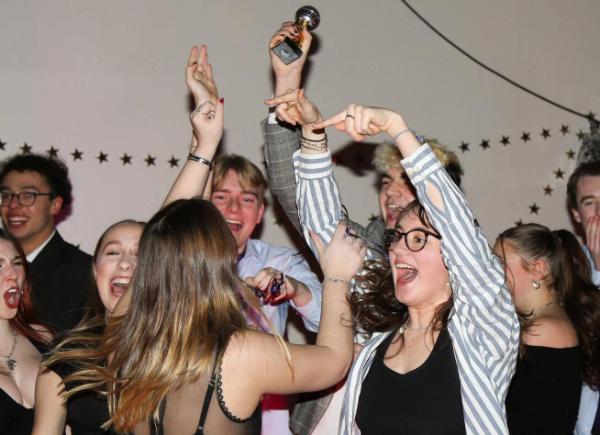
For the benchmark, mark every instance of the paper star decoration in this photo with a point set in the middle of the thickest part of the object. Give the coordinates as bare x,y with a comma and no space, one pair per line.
485,144
173,162
519,222
52,152
548,190
564,129
2,145
533,208
464,146
126,159
505,140
580,135
77,155
150,161
545,133
25,149
525,137
102,157
559,173
570,155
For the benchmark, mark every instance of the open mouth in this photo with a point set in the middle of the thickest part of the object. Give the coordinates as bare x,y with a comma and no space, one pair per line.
405,273
16,221
234,225
393,212
119,284
12,296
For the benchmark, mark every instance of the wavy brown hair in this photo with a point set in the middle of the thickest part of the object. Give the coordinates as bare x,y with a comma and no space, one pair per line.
185,305
570,277
376,309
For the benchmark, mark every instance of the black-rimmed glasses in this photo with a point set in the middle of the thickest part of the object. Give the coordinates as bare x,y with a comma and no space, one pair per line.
415,239
25,199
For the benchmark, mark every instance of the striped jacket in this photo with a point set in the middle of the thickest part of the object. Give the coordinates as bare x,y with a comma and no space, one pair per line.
483,326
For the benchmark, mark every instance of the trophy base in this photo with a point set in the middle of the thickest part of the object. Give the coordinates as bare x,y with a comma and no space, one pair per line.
287,50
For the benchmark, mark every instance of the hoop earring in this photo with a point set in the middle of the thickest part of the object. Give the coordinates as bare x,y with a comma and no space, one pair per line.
536,284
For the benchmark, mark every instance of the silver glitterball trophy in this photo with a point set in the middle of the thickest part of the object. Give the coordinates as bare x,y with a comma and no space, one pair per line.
288,50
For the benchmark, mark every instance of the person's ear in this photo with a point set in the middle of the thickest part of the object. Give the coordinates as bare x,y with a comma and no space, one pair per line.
261,212
576,215
56,205
538,269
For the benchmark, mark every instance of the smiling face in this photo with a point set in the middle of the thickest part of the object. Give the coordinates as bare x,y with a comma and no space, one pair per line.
242,207
395,193
30,225
115,263
12,276
420,278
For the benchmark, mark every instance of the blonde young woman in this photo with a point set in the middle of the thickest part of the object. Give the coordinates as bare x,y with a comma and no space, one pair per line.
114,262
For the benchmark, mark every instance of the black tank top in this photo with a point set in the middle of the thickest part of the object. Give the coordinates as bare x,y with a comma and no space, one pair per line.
543,397
426,400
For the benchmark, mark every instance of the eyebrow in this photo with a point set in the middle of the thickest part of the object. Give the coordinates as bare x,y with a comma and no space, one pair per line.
244,192
585,198
28,187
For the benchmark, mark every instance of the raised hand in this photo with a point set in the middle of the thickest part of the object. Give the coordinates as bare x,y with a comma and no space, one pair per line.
207,121
343,256
288,77
294,108
199,77
362,121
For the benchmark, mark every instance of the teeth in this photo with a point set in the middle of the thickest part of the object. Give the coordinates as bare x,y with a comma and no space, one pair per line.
394,207
121,282
13,290
231,221
16,220
403,266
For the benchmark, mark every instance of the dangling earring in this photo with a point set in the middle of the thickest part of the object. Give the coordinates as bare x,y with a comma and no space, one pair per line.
536,284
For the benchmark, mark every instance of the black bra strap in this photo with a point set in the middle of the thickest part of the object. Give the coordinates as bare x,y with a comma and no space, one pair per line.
206,404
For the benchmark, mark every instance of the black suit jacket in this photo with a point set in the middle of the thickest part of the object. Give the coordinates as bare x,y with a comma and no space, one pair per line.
60,281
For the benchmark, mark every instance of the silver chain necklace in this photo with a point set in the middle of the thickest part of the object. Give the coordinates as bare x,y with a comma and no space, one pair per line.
10,361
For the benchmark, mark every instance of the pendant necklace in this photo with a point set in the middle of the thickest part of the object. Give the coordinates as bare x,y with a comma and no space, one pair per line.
10,361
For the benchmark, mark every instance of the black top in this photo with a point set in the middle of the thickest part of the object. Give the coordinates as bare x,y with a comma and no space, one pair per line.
426,400
543,397
15,418
60,283
86,411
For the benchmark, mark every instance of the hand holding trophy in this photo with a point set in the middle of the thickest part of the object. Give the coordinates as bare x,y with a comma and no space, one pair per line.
288,50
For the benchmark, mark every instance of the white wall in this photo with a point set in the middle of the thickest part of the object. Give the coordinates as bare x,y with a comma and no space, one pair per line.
108,76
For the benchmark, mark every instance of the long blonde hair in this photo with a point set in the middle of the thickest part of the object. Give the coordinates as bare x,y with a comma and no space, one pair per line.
185,305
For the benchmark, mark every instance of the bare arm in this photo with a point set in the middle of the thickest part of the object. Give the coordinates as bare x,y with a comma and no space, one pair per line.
207,123
50,409
259,359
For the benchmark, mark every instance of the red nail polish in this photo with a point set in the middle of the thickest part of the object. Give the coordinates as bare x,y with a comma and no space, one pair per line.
221,100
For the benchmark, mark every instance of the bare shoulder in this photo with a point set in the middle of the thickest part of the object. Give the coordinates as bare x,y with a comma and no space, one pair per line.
552,330
246,347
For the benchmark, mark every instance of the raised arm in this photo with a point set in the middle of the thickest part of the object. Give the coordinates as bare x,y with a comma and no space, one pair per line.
487,321
281,137
207,123
260,358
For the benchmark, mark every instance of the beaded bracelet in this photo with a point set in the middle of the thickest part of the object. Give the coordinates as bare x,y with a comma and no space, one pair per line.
302,137
199,159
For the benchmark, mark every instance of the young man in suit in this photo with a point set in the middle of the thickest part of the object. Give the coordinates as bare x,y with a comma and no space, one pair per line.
34,190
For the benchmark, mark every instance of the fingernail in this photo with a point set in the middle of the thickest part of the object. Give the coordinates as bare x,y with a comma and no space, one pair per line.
221,100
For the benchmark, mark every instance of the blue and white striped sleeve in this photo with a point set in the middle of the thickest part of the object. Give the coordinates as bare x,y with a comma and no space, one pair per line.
487,318
317,196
